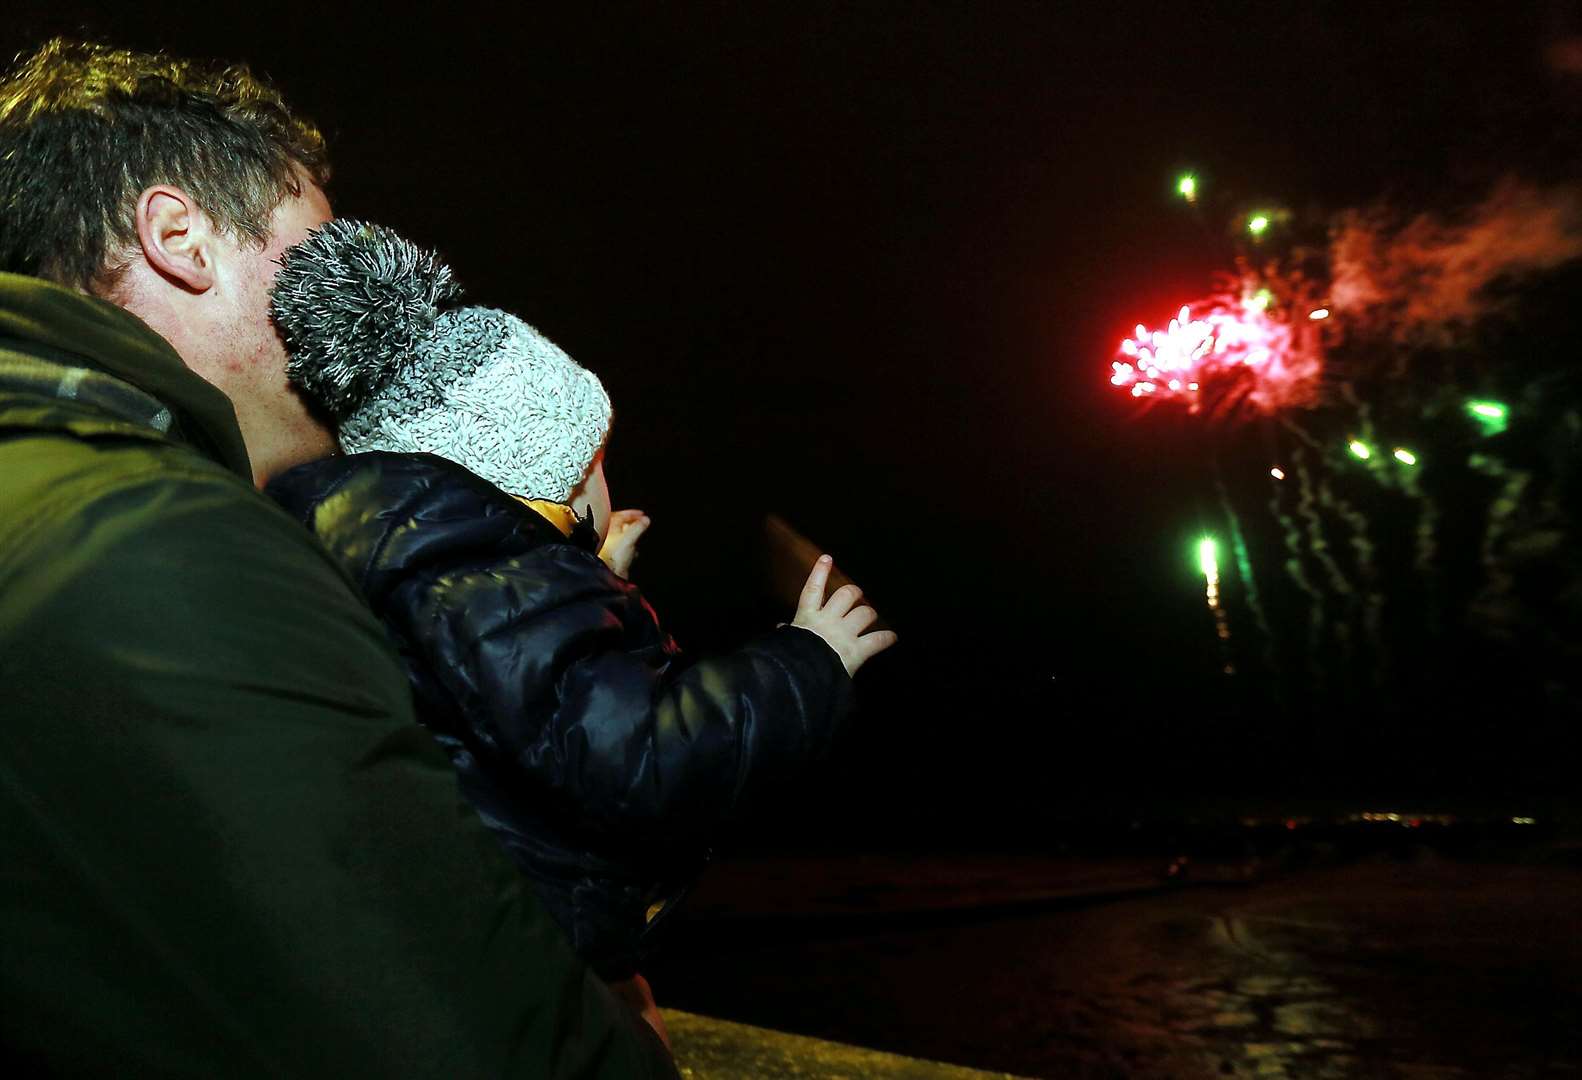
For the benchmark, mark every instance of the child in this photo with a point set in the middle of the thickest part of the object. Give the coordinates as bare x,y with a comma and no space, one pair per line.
471,507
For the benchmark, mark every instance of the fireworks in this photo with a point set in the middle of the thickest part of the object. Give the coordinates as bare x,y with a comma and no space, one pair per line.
1208,562
1326,334
1236,349
1491,414
1224,353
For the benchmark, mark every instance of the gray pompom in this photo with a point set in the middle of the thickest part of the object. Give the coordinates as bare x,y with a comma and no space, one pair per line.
351,302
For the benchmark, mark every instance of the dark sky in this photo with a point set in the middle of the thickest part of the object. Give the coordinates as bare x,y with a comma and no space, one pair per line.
863,265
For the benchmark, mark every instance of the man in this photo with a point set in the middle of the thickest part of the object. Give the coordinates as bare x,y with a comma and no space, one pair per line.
225,847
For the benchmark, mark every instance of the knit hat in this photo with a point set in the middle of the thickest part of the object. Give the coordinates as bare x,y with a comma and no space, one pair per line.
374,338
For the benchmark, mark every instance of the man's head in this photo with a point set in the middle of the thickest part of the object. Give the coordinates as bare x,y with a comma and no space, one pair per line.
168,187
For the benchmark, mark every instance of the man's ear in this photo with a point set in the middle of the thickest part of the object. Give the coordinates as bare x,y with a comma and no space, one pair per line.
175,237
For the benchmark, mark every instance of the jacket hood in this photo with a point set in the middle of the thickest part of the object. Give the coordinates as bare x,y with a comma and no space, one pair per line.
110,339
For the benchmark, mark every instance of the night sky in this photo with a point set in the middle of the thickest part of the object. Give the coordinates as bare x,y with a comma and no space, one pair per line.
864,266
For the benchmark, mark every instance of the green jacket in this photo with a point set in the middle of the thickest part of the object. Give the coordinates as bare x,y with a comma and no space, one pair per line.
225,846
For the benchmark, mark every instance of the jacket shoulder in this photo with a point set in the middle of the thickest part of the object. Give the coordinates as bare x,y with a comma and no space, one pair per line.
54,474
383,515
152,510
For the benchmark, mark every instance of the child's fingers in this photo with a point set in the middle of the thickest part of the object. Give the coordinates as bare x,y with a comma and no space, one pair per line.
812,597
859,619
871,645
843,600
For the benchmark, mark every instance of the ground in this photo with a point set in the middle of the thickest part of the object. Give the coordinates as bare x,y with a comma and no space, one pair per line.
1411,970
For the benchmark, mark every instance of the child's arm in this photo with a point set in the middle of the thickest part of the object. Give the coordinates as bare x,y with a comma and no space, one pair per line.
560,672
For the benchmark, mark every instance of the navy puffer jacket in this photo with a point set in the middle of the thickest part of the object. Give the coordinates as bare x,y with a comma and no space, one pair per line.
602,762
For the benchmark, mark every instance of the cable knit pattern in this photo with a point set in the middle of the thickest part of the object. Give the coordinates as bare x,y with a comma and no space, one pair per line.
489,392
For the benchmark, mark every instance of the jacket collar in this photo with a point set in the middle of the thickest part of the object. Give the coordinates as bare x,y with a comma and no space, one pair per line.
77,331
579,531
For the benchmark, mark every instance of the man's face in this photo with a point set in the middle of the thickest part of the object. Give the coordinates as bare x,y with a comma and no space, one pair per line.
246,357
256,355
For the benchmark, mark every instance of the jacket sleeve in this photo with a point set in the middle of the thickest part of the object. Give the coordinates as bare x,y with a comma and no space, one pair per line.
559,669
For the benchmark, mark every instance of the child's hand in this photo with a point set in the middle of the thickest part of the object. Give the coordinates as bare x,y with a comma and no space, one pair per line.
620,542
840,620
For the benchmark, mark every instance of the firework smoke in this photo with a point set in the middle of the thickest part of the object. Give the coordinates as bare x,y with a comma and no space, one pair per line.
1307,508
1425,541
1305,511
1368,596
1244,568
1502,510
1318,548
1291,536
1422,282
1564,56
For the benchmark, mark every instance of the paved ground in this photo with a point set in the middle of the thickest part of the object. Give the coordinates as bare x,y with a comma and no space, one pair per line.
1410,971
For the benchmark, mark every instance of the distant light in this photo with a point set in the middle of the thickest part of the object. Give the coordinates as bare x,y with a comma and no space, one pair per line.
1404,456
1277,472
1360,449
1318,313
1257,224
1208,558
1524,821
1186,187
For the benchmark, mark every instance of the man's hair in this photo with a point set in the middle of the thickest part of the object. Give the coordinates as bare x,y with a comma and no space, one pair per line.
85,129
